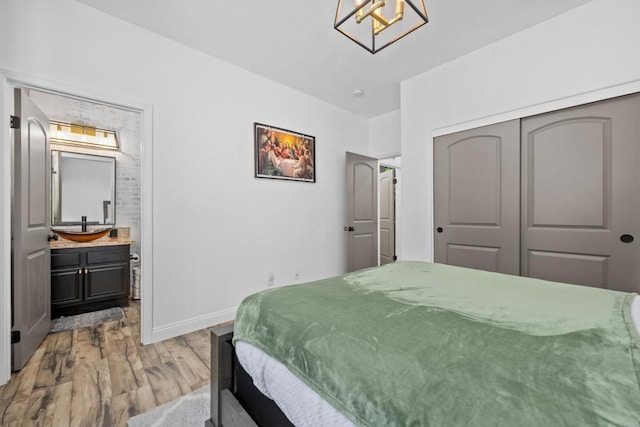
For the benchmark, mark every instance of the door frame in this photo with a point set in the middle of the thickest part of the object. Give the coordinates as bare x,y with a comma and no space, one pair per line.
9,80
398,202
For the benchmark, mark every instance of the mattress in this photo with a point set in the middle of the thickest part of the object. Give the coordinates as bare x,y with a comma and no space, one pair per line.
303,406
413,343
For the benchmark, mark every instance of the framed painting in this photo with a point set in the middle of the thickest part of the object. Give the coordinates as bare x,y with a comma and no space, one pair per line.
284,154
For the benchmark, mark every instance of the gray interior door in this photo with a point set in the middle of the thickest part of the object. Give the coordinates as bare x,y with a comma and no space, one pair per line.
581,195
362,211
31,217
387,217
476,191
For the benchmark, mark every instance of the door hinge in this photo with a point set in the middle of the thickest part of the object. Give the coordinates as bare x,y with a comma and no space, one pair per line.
15,122
395,258
15,337
395,180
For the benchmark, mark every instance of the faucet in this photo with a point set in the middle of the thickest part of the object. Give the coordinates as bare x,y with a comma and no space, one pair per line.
84,223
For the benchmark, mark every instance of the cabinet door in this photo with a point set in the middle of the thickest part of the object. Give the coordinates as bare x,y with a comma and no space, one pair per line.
66,286
476,187
106,281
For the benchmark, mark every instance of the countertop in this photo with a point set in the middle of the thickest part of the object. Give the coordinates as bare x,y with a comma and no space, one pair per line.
62,243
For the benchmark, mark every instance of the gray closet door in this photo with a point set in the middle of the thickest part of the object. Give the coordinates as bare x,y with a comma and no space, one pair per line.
581,195
476,190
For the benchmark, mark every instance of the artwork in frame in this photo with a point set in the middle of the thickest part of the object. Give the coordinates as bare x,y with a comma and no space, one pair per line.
284,154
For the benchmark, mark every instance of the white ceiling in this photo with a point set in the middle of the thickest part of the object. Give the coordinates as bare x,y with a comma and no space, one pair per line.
293,41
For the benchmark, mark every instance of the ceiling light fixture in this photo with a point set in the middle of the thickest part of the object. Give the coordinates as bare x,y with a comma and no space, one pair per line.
87,136
375,24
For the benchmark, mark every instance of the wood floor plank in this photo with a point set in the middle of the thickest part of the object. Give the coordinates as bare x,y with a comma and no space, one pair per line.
106,415
120,341
58,412
37,407
163,353
167,382
88,346
65,355
194,371
142,401
54,367
91,395
133,403
148,355
14,413
127,373
103,375
121,409
200,343
154,354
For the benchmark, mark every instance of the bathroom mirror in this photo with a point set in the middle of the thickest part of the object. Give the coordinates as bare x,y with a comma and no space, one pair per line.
82,185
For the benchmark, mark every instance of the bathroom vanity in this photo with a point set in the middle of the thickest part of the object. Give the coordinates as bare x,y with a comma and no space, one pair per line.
89,276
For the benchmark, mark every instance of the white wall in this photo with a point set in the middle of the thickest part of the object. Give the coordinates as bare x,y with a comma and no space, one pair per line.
217,229
384,135
586,54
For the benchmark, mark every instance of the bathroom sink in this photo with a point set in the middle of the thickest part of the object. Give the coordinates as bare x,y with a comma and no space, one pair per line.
82,236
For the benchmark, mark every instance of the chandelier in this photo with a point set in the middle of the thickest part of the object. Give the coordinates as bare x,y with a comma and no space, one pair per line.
375,24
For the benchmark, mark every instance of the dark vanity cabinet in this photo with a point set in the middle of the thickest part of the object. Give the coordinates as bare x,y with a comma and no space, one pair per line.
89,278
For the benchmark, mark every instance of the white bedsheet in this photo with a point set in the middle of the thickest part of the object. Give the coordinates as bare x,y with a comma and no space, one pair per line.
303,406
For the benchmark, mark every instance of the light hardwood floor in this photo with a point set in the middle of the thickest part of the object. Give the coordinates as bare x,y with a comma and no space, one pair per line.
102,376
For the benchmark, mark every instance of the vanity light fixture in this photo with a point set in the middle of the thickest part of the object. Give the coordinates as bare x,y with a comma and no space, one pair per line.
85,136
375,24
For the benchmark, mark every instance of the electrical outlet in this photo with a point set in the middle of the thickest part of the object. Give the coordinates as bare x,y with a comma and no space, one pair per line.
296,276
269,279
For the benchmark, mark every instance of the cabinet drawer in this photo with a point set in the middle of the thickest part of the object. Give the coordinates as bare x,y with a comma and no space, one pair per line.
65,258
101,256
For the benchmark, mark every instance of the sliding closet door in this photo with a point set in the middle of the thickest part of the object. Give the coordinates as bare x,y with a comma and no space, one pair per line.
581,195
476,191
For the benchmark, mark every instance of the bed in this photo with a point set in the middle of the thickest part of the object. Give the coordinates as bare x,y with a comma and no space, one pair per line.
415,343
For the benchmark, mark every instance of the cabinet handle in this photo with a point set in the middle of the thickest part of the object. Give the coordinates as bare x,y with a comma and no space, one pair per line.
80,271
86,271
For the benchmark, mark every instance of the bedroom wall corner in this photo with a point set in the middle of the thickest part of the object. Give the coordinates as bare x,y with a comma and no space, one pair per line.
581,56
384,135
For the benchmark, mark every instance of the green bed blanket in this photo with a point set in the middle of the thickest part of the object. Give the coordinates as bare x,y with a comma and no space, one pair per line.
421,344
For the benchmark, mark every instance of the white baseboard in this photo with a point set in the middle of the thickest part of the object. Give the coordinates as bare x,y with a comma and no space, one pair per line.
183,327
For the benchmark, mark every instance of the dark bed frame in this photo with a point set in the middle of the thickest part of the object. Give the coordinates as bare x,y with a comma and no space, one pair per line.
235,401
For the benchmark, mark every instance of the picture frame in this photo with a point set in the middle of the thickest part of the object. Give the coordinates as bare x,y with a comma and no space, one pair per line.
283,154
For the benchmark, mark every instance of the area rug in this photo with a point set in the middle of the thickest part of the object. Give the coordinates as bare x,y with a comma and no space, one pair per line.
189,410
86,319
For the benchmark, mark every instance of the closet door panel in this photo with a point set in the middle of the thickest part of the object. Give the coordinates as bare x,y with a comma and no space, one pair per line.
587,270
476,187
478,257
569,167
580,194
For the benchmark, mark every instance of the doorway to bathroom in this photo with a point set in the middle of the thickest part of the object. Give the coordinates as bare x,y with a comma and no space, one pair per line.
132,180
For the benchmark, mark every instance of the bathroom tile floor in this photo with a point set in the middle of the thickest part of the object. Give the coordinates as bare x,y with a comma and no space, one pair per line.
102,375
